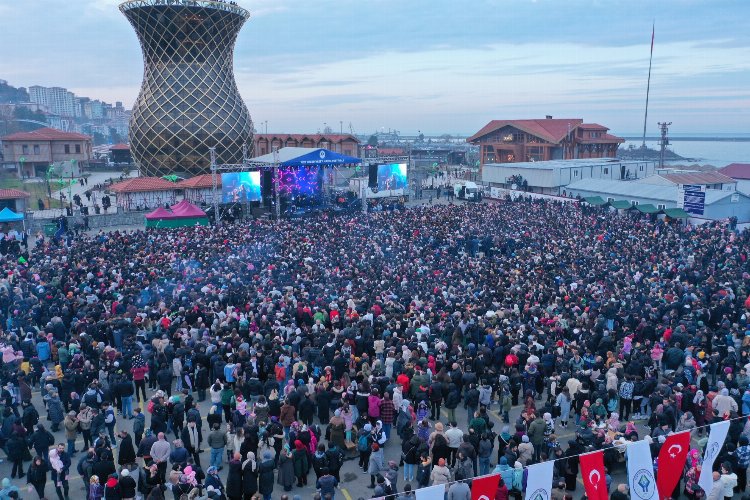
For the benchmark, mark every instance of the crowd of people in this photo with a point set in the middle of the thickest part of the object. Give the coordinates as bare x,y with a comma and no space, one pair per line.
339,337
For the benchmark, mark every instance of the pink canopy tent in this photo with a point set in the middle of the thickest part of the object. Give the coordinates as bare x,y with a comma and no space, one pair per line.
160,213
185,209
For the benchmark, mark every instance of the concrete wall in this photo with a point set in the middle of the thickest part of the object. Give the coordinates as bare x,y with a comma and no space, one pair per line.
102,221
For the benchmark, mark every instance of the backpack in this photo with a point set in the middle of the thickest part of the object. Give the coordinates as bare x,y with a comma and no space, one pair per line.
150,406
362,444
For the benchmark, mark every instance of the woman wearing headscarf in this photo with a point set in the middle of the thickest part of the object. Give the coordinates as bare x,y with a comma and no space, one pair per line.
301,463
234,488
337,429
249,476
286,469
699,410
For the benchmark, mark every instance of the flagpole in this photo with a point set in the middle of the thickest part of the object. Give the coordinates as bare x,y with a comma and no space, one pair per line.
648,85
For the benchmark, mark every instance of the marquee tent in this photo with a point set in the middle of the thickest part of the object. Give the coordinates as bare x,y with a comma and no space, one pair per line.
8,215
186,209
183,214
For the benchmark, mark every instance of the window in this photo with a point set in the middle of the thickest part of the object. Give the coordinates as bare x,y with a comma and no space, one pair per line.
575,173
67,149
610,200
661,207
606,170
25,149
634,203
36,149
641,167
78,149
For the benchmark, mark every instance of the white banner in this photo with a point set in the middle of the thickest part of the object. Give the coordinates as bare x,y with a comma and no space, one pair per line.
641,478
713,447
539,481
431,493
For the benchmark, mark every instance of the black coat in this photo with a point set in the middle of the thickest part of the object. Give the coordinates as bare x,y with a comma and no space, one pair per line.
265,477
16,448
127,486
234,480
126,452
250,479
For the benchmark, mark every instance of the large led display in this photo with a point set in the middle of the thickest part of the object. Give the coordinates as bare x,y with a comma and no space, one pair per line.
392,176
240,187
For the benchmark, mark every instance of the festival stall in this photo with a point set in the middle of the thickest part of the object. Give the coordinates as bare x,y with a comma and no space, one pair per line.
182,214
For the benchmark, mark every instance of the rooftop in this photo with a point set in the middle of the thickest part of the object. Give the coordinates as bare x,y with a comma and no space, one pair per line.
13,194
631,189
120,147
699,178
550,129
312,137
740,171
46,134
206,4
204,181
560,164
142,184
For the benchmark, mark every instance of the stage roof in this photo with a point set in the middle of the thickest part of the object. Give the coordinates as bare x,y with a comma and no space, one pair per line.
307,157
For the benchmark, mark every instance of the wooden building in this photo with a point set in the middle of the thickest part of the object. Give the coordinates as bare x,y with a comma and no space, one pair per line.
511,141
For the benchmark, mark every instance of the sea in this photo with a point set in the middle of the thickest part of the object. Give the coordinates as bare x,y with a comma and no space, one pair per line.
704,152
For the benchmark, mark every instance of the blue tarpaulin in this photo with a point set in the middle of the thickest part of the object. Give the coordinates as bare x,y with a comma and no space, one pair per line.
306,157
8,215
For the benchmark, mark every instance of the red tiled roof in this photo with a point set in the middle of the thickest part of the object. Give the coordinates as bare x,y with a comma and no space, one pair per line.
142,184
603,138
13,194
700,178
200,182
313,137
46,134
737,171
549,129
593,126
120,147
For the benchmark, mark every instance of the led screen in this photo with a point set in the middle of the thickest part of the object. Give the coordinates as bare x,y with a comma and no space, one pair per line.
392,176
300,181
240,187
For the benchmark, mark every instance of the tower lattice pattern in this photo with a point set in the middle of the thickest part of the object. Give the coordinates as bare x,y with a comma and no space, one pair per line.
189,100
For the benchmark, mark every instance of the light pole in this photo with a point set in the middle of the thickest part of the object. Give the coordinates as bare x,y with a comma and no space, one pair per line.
266,124
341,127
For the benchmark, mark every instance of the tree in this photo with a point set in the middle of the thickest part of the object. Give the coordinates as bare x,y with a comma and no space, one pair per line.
373,140
420,137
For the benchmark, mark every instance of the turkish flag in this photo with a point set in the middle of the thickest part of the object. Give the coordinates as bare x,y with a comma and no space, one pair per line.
672,458
484,488
592,471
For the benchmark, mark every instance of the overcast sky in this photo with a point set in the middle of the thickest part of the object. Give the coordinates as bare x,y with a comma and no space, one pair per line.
435,66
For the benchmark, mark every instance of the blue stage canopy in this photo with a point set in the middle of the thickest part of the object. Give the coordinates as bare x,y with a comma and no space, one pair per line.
307,157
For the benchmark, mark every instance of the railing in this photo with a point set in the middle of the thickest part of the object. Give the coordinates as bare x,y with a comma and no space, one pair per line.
211,4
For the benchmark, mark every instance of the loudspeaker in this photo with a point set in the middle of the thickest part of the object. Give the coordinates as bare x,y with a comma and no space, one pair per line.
373,176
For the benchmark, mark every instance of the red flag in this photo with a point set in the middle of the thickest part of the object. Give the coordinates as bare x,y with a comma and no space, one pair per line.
485,487
592,471
672,458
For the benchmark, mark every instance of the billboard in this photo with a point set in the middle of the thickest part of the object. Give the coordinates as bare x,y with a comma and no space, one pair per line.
240,187
392,176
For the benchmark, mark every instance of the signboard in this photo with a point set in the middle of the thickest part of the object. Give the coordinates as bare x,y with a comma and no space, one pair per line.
694,202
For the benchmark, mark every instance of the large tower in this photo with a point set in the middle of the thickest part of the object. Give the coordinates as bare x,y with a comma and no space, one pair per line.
189,100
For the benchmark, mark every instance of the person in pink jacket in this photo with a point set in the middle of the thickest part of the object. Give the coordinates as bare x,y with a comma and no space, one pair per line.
373,405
